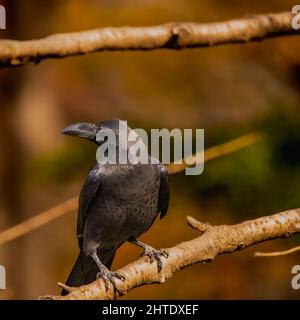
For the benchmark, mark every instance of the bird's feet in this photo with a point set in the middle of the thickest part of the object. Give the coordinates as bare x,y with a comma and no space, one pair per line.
109,277
155,254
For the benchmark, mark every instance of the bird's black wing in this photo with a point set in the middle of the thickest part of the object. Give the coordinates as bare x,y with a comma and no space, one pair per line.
164,194
87,194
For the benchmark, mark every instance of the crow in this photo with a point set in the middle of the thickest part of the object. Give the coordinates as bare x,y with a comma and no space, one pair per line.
117,203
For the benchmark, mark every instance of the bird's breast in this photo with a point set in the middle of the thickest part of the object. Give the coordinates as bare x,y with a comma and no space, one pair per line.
126,205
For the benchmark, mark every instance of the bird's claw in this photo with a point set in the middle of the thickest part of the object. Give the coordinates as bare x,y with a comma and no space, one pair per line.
118,276
154,254
108,277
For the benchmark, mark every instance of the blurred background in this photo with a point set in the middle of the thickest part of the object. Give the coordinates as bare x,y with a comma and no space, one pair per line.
228,90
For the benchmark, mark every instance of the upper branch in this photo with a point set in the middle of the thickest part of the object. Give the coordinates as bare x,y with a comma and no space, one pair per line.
172,35
215,240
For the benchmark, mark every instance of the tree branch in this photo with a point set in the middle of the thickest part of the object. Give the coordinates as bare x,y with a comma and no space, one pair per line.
175,35
215,240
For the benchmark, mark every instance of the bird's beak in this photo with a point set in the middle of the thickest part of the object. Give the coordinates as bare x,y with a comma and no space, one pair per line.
83,130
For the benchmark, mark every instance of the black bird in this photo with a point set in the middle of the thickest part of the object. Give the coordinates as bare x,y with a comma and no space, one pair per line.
117,203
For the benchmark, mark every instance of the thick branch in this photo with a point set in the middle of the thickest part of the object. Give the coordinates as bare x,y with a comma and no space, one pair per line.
172,35
214,241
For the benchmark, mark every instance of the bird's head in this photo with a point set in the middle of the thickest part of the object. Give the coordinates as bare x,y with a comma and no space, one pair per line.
116,135
90,131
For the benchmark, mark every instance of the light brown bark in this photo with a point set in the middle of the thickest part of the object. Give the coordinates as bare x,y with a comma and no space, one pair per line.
175,35
214,241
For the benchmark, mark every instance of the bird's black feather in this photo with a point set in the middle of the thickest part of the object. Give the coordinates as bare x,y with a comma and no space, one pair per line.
164,193
87,195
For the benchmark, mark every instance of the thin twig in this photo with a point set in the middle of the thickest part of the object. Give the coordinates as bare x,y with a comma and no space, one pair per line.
277,253
38,220
174,35
218,151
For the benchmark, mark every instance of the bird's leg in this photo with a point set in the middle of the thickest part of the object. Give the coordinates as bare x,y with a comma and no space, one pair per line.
152,253
105,274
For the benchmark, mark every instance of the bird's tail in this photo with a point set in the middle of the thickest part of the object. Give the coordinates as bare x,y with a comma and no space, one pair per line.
85,269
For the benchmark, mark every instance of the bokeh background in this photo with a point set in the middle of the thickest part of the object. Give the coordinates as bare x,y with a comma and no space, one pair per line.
228,90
